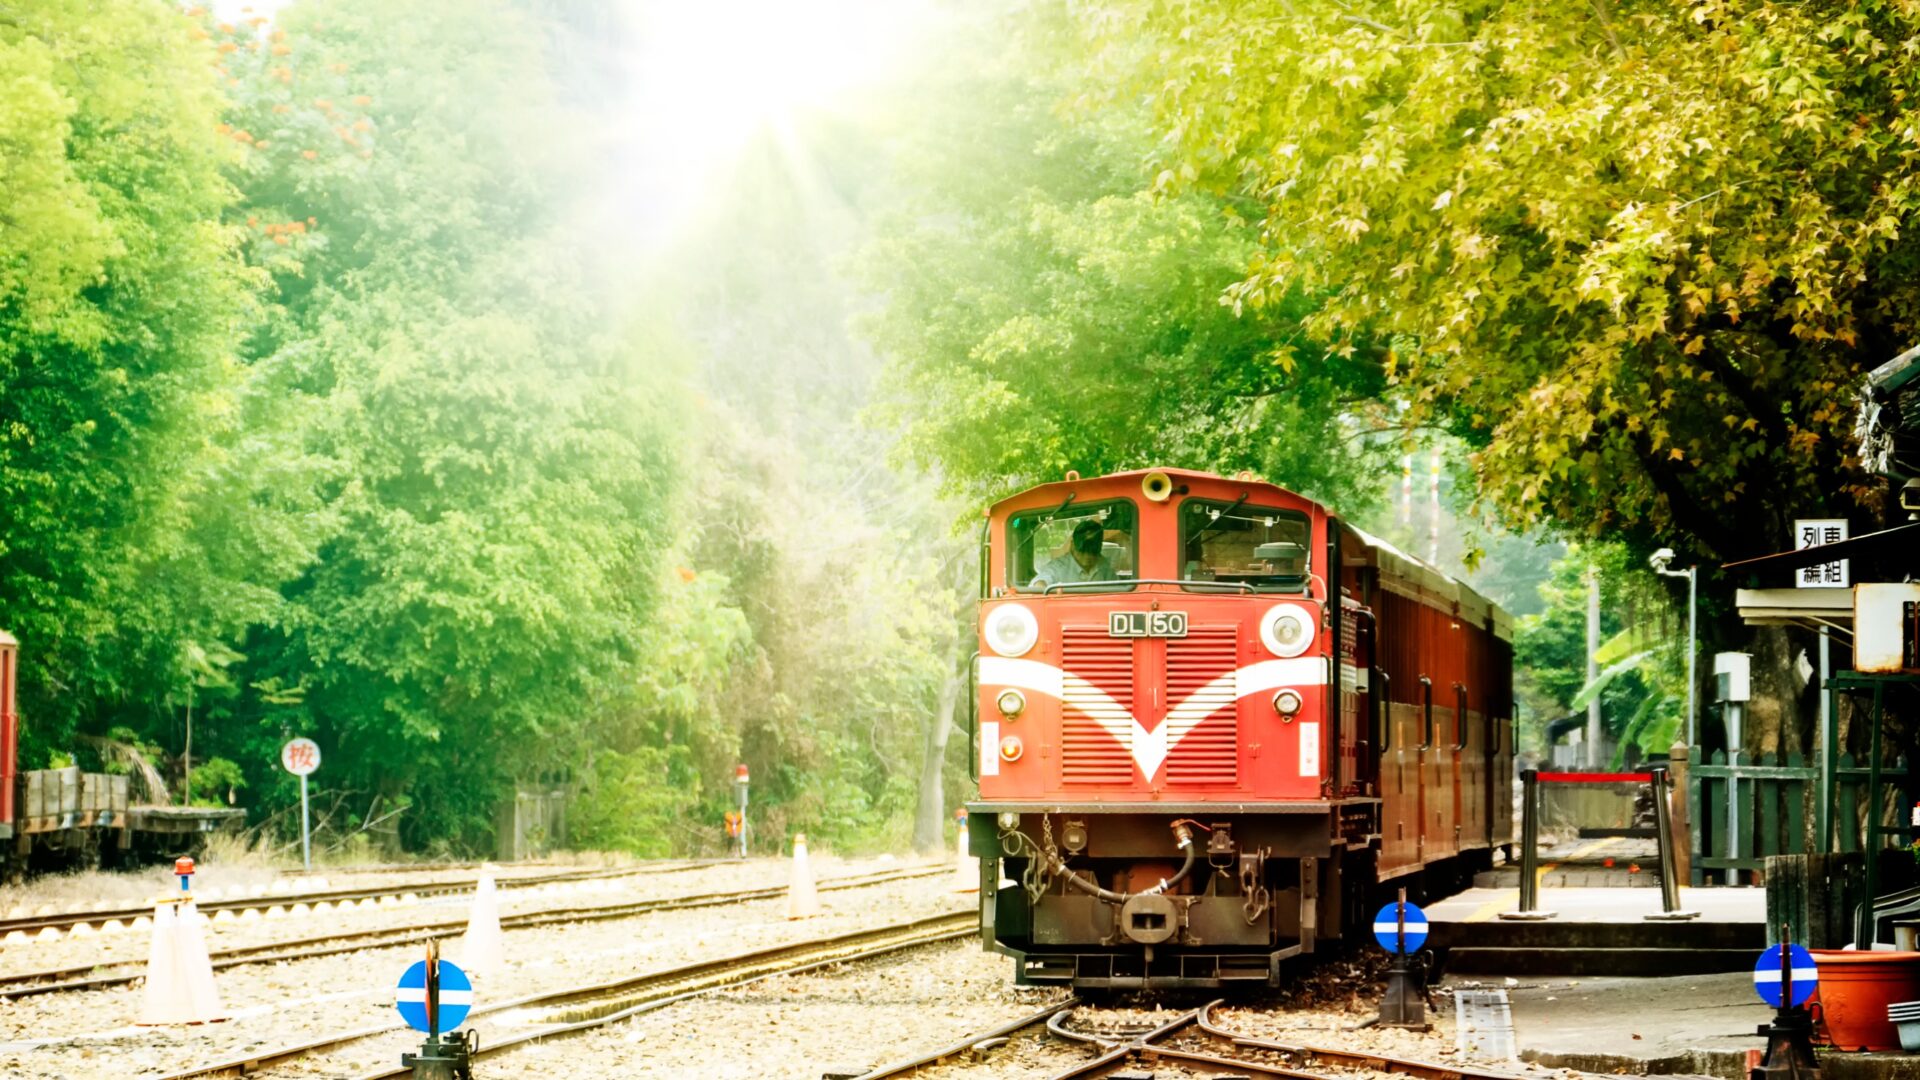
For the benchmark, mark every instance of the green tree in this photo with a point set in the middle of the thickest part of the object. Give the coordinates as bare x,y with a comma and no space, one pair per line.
1631,252
120,406
493,442
1047,310
1642,688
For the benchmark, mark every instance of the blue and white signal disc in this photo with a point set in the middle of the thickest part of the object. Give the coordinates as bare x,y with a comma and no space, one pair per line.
1387,927
1804,972
456,996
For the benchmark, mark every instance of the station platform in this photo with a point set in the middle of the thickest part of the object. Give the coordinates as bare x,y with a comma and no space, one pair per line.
1599,931
1700,1025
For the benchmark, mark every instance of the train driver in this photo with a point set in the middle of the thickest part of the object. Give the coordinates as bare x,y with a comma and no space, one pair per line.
1083,560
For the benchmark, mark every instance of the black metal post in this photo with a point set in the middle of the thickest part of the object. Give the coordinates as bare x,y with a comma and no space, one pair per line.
433,990
1866,930
1529,850
1404,1005
448,1057
1789,1054
1669,868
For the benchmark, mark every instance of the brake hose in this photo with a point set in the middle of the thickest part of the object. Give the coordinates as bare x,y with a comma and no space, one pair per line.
1183,838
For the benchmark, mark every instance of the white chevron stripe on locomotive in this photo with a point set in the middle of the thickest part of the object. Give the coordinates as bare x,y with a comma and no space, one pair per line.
1150,748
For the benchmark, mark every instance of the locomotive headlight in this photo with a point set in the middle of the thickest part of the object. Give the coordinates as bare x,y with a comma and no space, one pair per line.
1010,748
1287,629
1286,703
1011,630
1012,703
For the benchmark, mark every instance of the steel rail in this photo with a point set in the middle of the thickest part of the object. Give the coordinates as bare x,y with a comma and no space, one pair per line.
68,919
563,1030
1351,1059
968,1042
79,978
641,992
401,868
1150,1047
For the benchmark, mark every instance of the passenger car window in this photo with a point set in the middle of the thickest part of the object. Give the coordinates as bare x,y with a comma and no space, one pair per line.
1235,542
1085,548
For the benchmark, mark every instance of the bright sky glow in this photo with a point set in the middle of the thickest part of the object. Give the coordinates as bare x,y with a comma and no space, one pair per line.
713,74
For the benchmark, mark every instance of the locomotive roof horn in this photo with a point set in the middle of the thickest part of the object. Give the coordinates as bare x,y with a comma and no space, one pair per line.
1157,486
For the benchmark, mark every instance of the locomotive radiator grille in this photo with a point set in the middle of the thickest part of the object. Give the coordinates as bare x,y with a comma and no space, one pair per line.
1089,753
1210,753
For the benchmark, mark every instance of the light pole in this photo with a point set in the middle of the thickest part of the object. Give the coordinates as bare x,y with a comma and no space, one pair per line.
1660,560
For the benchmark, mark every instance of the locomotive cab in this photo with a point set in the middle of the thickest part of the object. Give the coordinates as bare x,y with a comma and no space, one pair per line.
1180,730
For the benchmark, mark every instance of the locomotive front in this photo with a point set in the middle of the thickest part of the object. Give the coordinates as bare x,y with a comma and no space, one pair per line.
1166,768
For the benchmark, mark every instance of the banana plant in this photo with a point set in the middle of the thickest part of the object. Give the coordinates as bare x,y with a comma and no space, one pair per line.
1654,720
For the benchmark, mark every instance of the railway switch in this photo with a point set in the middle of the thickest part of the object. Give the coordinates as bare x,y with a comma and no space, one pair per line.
1789,1054
433,993
1401,928
444,1057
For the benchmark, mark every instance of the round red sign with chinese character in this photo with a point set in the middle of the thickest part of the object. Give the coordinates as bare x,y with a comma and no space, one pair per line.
300,756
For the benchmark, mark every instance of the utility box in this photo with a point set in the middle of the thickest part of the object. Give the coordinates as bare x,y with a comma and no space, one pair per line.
1732,676
1886,628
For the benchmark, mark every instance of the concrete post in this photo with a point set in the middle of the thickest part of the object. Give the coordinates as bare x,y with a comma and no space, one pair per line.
1595,751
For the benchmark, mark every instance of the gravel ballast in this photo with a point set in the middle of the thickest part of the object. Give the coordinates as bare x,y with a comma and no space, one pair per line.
86,1034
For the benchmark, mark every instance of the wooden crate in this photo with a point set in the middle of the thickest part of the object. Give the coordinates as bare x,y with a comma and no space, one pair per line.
33,812
69,794
103,799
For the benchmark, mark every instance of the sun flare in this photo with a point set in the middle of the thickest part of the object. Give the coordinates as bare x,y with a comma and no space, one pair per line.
713,75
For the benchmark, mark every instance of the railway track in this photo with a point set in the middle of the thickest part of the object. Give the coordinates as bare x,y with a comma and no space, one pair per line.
89,977
575,1009
1190,1044
64,922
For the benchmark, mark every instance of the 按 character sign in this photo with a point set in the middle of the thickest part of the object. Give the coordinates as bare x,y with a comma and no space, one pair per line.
300,756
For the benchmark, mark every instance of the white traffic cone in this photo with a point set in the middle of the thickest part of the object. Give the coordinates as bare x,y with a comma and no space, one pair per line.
482,950
180,986
966,866
802,901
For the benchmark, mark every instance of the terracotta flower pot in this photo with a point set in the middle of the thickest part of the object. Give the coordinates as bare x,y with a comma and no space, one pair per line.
1855,990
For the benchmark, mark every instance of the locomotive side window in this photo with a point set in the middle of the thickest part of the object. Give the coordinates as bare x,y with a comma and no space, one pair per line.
1234,542
1079,548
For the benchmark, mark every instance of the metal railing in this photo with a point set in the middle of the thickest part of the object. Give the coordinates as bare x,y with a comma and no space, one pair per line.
1530,781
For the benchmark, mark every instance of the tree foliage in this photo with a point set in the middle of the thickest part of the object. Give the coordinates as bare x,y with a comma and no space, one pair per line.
120,287
1047,310
1630,251
491,445
1642,688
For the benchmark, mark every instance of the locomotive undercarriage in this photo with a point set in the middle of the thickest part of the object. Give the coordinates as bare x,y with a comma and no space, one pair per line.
1098,899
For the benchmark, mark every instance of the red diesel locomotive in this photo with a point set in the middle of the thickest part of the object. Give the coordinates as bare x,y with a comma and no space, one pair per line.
1211,720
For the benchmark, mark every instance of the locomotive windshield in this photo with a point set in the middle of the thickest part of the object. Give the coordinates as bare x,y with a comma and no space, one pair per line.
1082,548
1236,542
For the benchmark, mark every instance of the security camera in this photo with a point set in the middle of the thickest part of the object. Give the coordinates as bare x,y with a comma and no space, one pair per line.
1910,496
1660,560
